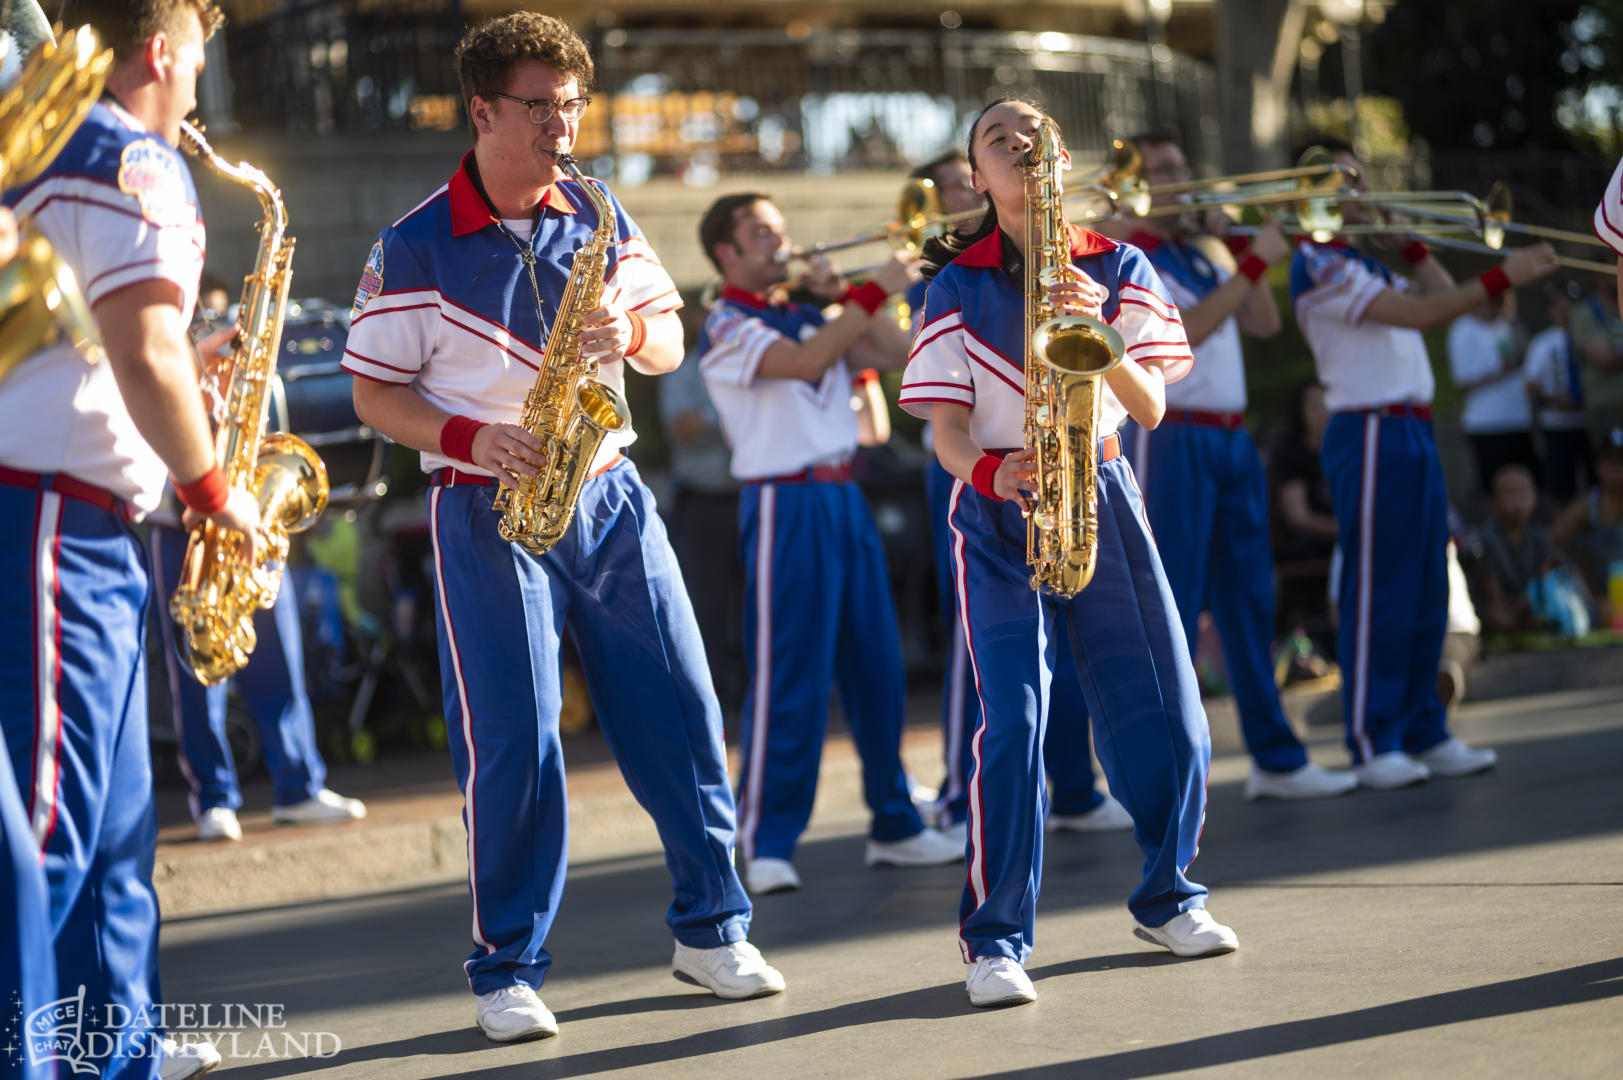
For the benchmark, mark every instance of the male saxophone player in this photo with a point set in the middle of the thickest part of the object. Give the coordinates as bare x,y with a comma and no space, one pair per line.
85,448
455,303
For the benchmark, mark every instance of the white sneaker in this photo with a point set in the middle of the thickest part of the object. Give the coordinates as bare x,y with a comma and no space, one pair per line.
1191,933
730,971
997,980
1308,782
1454,758
219,823
1108,816
181,1061
1393,769
325,805
515,1014
762,876
927,847
957,833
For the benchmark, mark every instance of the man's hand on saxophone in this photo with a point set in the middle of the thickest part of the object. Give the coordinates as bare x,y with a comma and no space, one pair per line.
1014,478
507,450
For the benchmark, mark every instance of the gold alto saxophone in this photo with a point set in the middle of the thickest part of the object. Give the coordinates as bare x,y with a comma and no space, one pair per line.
220,589
568,408
1066,359
40,299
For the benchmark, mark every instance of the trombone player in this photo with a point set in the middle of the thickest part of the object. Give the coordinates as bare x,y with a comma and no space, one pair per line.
1205,489
1363,323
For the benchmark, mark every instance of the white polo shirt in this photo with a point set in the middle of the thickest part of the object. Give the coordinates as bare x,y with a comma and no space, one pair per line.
1362,364
119,207
1478,350
775,426
1217,382
1608,220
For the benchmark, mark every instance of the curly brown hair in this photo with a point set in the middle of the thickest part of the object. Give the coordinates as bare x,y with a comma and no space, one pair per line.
125,25
487,54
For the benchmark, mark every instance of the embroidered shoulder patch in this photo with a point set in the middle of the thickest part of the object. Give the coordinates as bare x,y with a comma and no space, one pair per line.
151,172
371,280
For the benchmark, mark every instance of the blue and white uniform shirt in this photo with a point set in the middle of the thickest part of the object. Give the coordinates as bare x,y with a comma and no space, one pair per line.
1362,364
970,346
445,303
119,207
1217,383
774,426
1608,220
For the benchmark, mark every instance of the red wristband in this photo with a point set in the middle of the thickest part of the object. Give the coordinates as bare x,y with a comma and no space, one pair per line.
1495,281
1253,267
866,377
207,494
870,296
1236,244
981,477
1415,253
639,333
456,438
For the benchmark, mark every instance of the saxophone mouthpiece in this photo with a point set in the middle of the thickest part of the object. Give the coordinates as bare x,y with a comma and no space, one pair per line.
568,164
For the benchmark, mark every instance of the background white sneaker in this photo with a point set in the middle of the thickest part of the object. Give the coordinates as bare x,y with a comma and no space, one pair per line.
514,1014
1308,782
997,980
1191,933
219,823
733,971
924,848
325,805
765,875
958,833
1454,758
181,1061
1393,769
1108,816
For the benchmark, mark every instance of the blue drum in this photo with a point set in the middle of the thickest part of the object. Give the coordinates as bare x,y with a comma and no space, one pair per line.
312,400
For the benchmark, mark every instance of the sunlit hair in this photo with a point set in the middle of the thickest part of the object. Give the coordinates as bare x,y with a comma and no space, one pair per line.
125,25
487,54
941,250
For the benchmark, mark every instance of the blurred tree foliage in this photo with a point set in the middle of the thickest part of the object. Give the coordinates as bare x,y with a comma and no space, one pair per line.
1495,73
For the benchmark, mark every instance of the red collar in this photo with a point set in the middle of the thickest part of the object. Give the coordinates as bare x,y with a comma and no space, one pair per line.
740,296
1145,241
987,253
470,212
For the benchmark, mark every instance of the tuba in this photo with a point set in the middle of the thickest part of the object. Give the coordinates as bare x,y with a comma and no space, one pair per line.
220,589
569,410
1066,359
40,301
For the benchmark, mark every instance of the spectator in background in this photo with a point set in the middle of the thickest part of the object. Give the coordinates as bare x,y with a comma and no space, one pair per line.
1591,530
1556,385
1516,552
1304,519
1485,357
704,517
1597,332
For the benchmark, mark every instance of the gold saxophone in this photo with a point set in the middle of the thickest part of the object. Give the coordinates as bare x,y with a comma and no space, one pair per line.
568,409
1066,359
40,300
220,589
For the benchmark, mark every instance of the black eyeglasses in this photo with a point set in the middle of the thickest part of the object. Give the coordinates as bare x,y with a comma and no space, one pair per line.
544,109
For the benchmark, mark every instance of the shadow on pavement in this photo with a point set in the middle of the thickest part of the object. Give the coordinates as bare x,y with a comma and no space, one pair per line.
319,957
1571,986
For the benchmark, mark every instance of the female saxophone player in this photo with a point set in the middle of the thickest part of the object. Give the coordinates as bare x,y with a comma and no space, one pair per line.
966,372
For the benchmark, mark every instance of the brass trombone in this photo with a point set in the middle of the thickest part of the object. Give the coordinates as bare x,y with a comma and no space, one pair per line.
1313,186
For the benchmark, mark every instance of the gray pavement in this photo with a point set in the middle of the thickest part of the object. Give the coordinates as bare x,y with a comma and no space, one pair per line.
1463,928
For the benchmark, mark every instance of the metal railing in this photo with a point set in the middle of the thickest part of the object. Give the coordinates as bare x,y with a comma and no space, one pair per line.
704,103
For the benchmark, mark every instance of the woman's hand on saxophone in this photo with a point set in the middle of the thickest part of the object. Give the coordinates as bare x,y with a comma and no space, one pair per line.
1014,478
240,515
507,451
1078,295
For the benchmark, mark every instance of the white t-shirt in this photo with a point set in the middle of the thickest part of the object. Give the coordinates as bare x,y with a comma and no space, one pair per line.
1547,369
1478,350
